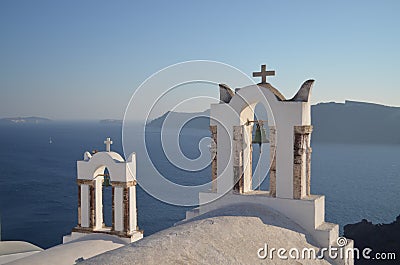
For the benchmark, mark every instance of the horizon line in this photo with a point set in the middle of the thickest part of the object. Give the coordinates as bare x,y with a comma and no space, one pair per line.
141,120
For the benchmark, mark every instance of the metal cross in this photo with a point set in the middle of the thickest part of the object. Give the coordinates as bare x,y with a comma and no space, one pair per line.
108,144
264,73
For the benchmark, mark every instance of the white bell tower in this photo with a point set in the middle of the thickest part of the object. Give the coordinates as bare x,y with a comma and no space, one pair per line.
290,129
122,177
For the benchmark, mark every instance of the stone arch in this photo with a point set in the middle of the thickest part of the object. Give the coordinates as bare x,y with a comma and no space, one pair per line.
112,160
244,103
248,97
102,195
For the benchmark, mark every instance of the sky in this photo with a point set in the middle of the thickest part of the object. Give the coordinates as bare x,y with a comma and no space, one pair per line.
84,59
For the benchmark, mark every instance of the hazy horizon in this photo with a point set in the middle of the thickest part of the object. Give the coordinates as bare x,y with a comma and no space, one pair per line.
141,120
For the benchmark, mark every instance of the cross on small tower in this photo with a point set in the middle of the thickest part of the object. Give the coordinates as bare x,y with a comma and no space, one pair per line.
108,144
264,73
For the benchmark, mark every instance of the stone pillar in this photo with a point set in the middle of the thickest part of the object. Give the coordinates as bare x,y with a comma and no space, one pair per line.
92,206
300,161
98,204
213,150
79,206
247,153
113,208
308,169
84,203
238,158
126,209
272,171
133,226
118,206
250,162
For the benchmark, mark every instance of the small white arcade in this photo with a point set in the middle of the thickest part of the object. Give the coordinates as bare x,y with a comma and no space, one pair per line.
90,179
289,124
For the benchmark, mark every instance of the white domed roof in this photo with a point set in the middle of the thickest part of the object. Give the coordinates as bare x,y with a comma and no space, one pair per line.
230,235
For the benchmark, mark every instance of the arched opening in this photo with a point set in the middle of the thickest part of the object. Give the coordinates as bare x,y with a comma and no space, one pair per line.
107,199
103,198
260,149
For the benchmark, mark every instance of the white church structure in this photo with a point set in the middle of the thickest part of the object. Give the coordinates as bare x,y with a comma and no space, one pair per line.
91,179
290,129
295,215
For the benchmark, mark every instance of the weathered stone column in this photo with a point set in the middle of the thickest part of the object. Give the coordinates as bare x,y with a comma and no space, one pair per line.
84,203
301,161
213,150
308,169
126,209
113,208
132,225
92,205
79,206
238,158
272,171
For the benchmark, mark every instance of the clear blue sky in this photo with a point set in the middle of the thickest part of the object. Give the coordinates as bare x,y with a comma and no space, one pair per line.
83,59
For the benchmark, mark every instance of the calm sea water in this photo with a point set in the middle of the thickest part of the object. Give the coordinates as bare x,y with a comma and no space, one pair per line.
38,192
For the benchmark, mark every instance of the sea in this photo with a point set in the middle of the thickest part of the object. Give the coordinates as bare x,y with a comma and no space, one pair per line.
38,191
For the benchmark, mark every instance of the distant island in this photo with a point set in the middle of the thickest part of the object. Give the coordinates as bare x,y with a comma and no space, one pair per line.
355,122
348,122
378,237
111,121
195,120
24,120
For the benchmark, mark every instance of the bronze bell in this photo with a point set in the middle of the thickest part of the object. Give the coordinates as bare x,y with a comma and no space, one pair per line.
260,137
106,182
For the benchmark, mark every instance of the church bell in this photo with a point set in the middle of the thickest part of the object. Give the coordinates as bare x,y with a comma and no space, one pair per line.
260,136
106,182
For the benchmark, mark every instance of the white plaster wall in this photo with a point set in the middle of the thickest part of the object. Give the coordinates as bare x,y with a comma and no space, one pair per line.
85,205
98,189
284,160
307,213
287,116
224,117
131,166
118,209
303,212
319,216
132,208
306,113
